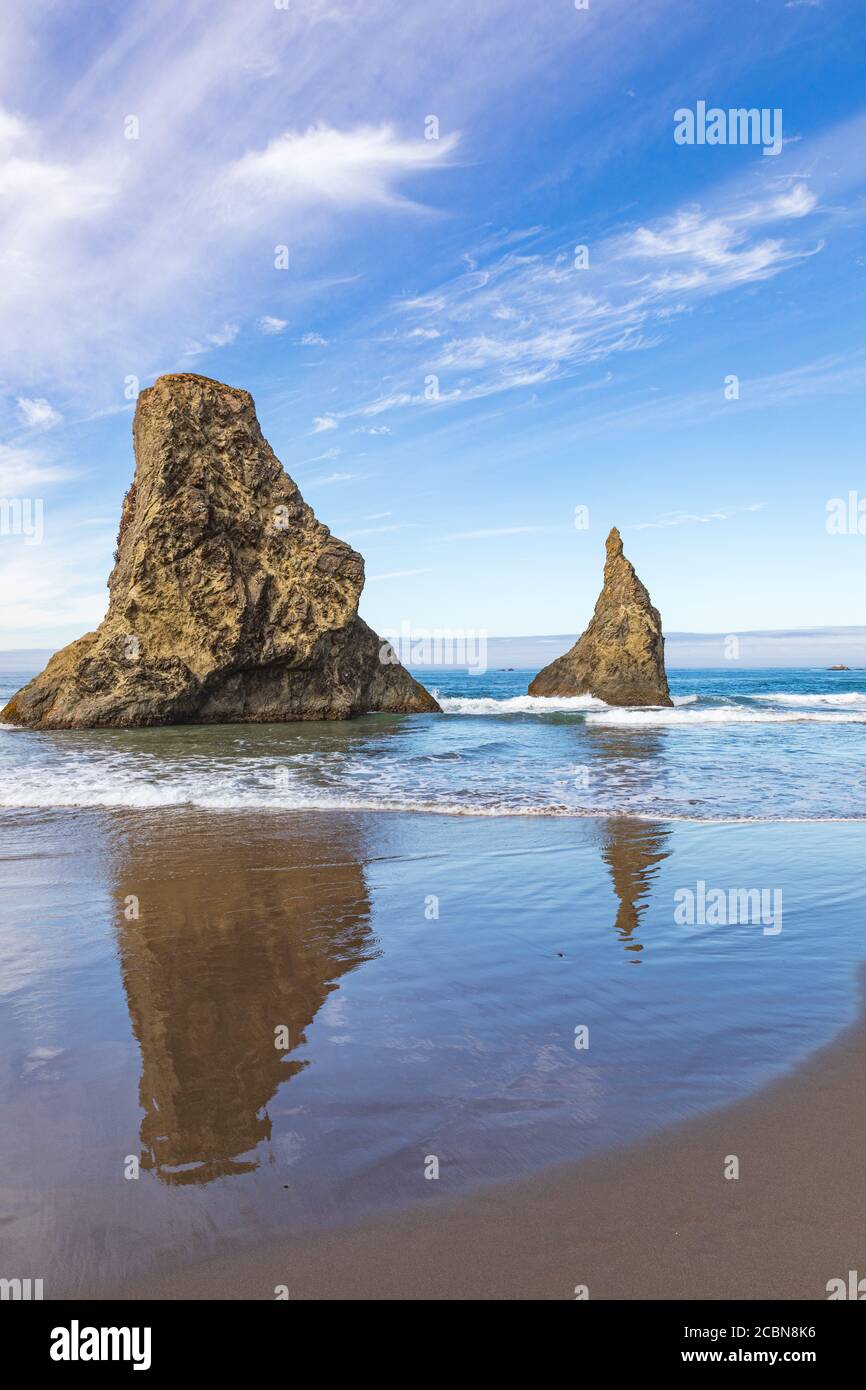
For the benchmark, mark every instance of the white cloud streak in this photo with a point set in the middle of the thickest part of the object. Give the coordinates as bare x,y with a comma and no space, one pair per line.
110,247
341,168
395,574
694,518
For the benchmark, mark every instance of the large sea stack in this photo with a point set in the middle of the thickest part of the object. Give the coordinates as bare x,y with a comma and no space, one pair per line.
620,658
229,600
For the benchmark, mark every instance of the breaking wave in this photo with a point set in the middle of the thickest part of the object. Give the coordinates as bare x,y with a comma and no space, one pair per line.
733,747
841,697
730,714
796,709
519,704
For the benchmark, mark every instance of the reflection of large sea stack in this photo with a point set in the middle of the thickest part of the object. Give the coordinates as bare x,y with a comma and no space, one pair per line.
620,658
229,600
238,935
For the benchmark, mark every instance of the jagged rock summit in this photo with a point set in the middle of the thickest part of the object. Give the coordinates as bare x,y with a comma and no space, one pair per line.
229,600
620,658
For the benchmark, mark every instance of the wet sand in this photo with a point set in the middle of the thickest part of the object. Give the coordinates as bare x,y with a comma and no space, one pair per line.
655,1221
147,961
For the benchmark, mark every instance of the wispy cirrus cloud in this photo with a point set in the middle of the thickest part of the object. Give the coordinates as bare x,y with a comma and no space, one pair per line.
694,251
219,338
494,532
535,316
822,378
694,518
396,574
134,219
382,530
51,584
335,478
328,456
521,318
26,471
134,227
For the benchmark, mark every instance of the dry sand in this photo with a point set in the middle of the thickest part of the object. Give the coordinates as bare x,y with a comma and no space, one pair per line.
655,1221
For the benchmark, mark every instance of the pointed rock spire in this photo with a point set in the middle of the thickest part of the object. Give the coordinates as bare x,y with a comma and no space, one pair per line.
229,601
620,657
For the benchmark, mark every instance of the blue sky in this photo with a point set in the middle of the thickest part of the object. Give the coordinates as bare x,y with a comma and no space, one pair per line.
453,258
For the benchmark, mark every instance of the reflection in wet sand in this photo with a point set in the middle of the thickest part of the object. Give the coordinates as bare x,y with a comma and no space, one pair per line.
457,1040
226,950
632,851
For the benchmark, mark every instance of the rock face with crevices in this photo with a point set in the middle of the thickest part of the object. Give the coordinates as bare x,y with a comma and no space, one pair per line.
229,600
620,658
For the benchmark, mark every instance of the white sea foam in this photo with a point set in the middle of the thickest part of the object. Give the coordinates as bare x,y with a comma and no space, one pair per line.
842,697
151,798
154,798
595,711
519,704
729,714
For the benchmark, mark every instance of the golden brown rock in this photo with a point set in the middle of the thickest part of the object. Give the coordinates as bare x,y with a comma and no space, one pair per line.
229,600
620,658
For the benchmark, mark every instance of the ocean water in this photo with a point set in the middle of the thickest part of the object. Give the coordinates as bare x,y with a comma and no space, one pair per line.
739,745
170,898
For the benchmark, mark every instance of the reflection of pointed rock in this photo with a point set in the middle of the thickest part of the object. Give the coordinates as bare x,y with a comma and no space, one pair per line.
620,657
229,601
632,851
237,937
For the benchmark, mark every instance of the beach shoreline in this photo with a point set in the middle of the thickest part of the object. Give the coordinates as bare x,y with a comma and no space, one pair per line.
657,1220
431,983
